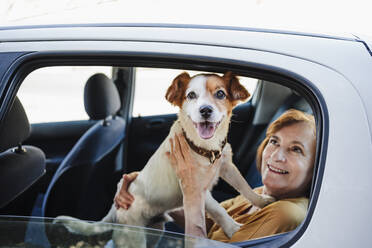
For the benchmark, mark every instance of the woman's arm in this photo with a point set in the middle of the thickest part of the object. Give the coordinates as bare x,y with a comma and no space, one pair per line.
194,205
194,181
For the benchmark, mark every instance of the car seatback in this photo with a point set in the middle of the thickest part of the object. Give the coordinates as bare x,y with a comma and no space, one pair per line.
20,166
81,186
252,175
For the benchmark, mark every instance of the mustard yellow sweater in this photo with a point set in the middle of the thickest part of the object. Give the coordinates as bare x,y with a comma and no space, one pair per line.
280,216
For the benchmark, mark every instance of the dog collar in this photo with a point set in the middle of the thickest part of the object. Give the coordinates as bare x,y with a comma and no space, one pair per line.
212,155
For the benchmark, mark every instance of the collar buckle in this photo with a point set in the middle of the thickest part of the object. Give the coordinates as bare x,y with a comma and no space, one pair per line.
212,155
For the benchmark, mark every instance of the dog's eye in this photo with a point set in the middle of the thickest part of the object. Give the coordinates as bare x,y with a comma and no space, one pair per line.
191,95
220,94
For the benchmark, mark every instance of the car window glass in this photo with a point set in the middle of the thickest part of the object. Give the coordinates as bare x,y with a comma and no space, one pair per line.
152,84
53,94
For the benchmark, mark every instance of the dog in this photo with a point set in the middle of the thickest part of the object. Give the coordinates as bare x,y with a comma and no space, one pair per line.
205,104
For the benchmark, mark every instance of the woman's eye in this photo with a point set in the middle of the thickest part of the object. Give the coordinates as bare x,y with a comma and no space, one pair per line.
297,150
191,95
273,141
220,94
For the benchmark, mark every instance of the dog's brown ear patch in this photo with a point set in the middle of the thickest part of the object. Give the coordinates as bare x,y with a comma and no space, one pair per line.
176,92
237,92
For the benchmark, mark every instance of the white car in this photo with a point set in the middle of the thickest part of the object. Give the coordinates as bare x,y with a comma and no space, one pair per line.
46,67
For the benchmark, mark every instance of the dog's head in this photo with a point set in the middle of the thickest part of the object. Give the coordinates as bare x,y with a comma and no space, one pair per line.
206,99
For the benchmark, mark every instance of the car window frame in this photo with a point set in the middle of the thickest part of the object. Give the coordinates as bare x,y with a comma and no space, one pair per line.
26,63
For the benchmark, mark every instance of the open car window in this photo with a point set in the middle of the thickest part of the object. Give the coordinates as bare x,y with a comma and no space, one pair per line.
148,118
152,83
44,93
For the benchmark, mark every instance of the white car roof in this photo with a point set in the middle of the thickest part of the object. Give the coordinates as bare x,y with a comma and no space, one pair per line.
314,47
348,55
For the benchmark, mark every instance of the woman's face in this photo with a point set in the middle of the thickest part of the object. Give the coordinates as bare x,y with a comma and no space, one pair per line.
287,161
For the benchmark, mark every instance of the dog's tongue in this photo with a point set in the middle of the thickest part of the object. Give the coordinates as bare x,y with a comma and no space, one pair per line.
206,129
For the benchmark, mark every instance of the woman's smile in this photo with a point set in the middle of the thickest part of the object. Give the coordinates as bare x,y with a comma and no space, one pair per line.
276,170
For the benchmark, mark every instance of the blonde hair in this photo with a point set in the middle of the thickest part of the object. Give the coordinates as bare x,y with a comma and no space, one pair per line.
288,118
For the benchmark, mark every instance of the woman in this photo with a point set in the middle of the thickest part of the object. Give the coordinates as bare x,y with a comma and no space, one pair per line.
285,159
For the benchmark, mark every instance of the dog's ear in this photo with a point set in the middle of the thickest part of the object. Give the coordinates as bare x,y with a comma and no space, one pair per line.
176,92
237,92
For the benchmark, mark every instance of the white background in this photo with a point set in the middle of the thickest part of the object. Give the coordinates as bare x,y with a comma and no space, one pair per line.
330,16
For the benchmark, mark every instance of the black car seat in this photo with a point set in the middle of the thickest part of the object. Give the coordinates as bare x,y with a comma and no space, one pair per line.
20,166
82,185
288,99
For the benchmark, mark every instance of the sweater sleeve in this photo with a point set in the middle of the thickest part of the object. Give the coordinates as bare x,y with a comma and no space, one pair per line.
281,217
278,217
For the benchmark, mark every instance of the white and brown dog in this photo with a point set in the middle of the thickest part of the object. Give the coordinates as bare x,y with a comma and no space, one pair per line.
206,102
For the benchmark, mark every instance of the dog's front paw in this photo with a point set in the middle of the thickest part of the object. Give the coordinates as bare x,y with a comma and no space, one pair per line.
232,228
67,221
263,200
62,219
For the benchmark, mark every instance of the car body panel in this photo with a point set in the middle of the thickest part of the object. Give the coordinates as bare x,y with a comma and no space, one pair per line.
336,71
339,53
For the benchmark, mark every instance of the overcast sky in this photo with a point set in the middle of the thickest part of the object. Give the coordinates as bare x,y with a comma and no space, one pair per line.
324,16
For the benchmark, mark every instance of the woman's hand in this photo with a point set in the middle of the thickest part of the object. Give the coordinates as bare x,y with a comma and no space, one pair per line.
193,176
123,198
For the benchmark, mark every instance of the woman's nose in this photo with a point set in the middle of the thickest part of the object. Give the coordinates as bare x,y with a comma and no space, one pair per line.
278,155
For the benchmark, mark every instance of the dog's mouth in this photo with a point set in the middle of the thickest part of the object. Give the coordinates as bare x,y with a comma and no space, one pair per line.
206,129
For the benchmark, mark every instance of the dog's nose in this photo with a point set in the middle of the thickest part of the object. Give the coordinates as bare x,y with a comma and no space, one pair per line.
206,111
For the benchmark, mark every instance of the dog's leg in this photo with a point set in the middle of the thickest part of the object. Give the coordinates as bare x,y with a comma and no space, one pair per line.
78,226
232,175
219,215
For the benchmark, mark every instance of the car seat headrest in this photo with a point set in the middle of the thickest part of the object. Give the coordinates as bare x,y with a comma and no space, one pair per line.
15,127
101,97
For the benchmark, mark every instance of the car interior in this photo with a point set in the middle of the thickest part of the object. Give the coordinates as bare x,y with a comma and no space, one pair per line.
85,158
